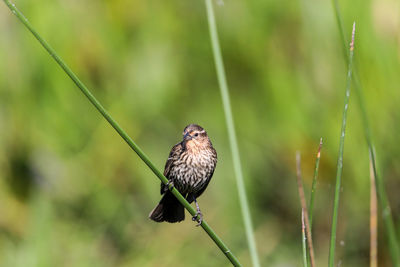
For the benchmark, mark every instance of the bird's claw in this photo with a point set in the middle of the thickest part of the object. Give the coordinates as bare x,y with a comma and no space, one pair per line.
169,185
198,217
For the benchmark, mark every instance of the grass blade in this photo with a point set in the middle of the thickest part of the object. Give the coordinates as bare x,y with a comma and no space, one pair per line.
386,211
231,132
121,132
303,239
314,183
340,157
380,186
304,208
373,220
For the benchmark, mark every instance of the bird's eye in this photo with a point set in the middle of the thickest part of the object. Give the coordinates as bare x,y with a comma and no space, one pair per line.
196,134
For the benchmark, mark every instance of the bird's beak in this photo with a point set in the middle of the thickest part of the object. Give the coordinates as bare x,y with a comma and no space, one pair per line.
187,137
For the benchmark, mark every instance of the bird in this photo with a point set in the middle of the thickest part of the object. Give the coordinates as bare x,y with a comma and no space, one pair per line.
189,168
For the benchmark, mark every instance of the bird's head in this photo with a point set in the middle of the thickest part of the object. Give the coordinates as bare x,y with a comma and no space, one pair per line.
195,137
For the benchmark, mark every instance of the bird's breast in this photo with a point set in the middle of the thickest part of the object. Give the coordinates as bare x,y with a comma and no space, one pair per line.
192,170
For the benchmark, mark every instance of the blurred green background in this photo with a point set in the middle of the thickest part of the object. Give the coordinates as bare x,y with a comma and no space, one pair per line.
72,193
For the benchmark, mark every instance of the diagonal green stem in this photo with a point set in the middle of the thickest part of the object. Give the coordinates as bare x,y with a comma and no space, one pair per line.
380,186
231,133
340,157
122,133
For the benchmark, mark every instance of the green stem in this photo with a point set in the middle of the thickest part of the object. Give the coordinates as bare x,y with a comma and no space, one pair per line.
303,239
304,210
340,157
380,186
121,132
314,186
314,183
231,133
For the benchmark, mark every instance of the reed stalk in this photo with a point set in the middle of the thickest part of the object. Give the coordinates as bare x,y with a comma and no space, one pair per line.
386,211
373,220
339,168
304,208
314,183
223,86
303,239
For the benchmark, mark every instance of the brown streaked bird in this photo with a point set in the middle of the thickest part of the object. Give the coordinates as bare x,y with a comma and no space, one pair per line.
189,168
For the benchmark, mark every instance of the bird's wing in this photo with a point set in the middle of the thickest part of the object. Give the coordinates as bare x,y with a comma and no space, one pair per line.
172,158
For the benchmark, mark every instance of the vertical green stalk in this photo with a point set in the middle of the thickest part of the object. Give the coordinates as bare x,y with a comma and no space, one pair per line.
314,186
314,183
341,148
386,211
304,209
231,133
339,22
122,133
373,221
303,239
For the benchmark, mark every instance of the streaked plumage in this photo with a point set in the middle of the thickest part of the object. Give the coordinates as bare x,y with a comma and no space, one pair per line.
190,166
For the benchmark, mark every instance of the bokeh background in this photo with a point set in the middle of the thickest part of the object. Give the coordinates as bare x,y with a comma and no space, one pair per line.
72,193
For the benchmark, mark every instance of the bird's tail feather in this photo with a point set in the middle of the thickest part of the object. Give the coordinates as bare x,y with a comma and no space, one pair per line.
169,209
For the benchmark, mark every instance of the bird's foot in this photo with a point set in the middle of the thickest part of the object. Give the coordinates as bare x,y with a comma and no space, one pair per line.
169,185
198,217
